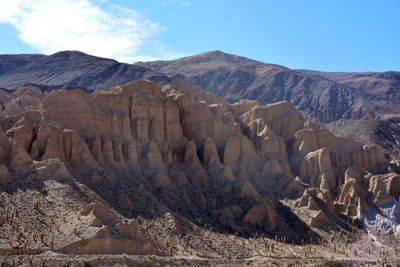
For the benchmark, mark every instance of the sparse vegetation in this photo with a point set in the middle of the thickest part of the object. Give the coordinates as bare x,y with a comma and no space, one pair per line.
87,263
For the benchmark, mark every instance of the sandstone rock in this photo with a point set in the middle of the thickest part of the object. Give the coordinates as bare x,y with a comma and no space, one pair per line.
160,153
17,105
130,151
107,242
273,147
76,150
328,180
248,190
190,157
352,198
154,157
263,215
272,166
319,218
108,152
282,118
343,152
101,212
313,165
96,148
240,155
210,154
23,135
384,188
117,148
144,87
195,169
18,156
232,152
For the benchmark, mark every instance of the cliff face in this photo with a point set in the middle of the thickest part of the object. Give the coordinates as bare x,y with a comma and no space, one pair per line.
141,149
354,105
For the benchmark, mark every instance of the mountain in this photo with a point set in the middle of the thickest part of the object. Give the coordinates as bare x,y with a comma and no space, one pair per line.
176,171
71,68
352,105
11,62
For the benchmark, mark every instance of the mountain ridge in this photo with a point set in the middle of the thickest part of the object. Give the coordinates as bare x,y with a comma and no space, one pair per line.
336,100
76,68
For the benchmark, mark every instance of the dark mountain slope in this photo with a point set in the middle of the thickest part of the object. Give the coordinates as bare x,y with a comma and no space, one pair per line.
79,69
238,78
12,62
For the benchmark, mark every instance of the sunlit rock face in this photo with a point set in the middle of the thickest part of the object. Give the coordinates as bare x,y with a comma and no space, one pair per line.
148,150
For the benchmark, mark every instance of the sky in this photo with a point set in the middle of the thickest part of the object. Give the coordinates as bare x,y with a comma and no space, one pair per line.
325,35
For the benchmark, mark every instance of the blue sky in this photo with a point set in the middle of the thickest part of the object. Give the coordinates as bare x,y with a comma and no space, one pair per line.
356,35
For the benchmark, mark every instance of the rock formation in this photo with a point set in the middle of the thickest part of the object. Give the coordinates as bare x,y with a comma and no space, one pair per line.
150,151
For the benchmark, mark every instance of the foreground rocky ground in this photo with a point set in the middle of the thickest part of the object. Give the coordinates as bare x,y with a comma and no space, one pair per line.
180,177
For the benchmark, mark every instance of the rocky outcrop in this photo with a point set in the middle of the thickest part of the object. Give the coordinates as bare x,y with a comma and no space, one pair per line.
263,215
150,150
384,188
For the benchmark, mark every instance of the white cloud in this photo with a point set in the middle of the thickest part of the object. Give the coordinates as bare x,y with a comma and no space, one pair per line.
50,26
176,3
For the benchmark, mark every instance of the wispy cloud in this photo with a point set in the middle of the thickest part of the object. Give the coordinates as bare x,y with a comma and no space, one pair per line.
86,25
175,3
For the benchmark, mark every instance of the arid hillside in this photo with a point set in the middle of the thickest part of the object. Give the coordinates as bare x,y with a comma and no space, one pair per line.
180,176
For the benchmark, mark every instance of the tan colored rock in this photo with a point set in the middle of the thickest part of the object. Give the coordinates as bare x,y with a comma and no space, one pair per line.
272,166
20,104
95,147
195,169
308,201
319,218
108,242
190,157
76,150
48,169
273,147
23,135
314,165
143,87
281,117
352,198
117,148
130,151
240,155
226,172
343,152
384,188
100,212
154,157
328,180
18,156
248,190
108,152
210,154
232,152
262,215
